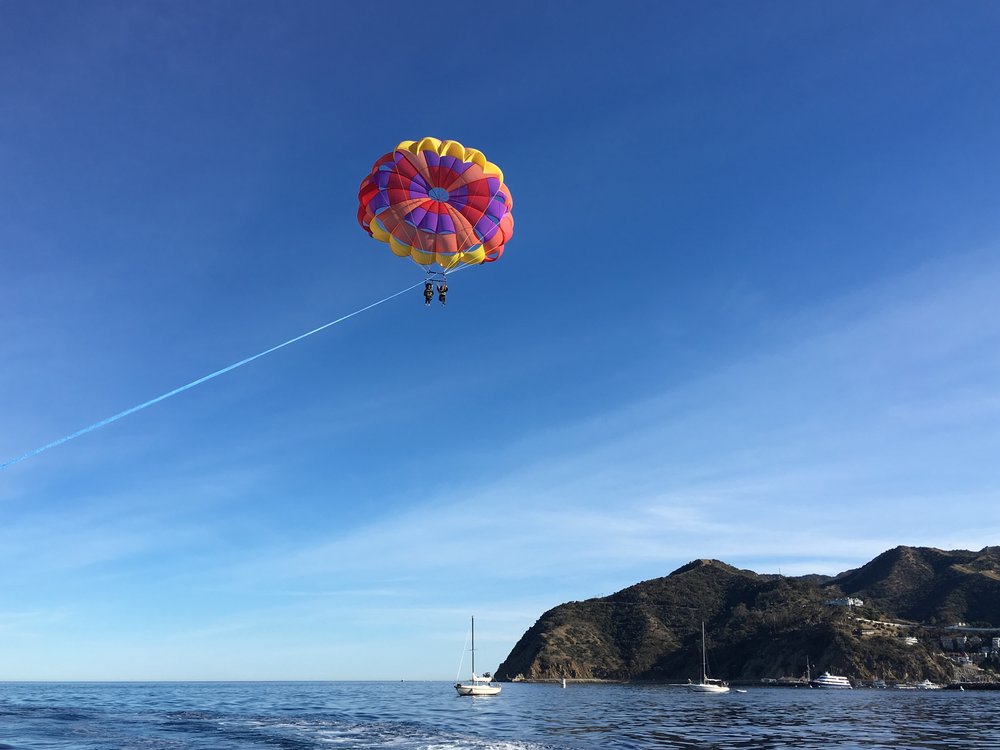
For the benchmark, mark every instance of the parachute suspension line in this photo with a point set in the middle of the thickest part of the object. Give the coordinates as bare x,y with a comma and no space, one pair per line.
199,381
460,267
430,273
435,277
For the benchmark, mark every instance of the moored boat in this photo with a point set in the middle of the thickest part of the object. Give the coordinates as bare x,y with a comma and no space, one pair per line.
827,680
706,685
478,684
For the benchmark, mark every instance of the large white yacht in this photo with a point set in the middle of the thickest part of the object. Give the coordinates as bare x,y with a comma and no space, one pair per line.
827,680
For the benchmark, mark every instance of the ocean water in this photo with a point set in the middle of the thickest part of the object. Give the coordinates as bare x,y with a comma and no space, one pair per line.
430,716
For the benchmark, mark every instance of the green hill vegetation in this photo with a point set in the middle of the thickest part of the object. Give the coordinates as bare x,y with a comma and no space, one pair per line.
769,626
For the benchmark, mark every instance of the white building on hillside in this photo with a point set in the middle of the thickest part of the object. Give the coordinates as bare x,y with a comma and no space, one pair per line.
847,602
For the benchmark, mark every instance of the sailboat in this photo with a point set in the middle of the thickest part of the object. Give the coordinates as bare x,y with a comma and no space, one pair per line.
479,684
707,685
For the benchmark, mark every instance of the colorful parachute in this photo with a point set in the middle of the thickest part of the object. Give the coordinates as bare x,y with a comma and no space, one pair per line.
437,202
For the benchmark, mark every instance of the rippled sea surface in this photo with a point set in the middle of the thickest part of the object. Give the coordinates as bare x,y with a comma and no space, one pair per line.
429,716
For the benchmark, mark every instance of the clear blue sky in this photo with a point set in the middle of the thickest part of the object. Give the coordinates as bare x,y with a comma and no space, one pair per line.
750,312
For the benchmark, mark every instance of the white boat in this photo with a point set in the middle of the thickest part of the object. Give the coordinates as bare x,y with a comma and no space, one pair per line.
827,680
706,685
928,685
479,684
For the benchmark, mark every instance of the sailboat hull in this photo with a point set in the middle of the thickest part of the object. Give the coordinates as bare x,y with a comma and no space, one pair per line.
474,690
708,687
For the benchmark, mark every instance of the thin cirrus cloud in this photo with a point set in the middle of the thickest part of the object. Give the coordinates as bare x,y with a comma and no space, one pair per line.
857,408
839,428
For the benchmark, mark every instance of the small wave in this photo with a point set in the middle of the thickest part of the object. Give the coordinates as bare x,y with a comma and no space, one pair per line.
378,736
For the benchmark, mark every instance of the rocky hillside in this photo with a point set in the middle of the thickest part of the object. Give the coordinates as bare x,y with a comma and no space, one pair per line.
767,626
930,585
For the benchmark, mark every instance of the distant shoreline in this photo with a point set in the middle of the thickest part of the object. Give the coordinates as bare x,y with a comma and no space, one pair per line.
747,683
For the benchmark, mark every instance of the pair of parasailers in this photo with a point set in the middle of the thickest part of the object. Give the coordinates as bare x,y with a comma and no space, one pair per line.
442,290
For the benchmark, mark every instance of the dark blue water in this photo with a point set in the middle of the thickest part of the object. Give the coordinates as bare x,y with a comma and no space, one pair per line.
429,716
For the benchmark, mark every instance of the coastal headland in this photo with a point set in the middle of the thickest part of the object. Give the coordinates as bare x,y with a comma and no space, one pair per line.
911,614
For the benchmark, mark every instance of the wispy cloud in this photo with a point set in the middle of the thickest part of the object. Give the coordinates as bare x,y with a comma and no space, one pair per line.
838,430
29,623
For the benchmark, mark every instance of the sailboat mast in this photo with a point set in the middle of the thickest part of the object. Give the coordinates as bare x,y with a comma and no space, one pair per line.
473,645
704,665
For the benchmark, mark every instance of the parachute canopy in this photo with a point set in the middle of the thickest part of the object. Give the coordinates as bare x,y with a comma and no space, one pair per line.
437,202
